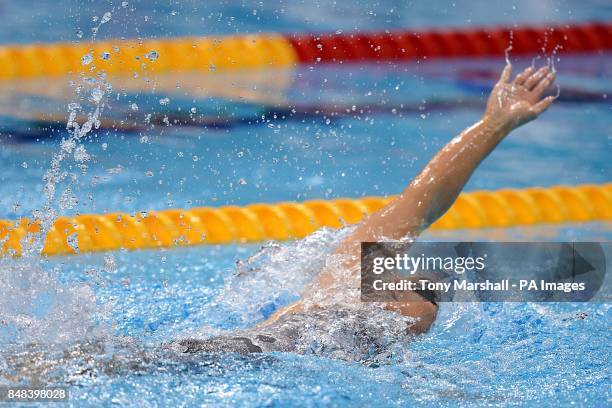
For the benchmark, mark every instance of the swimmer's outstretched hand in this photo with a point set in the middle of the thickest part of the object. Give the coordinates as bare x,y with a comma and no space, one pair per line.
513,103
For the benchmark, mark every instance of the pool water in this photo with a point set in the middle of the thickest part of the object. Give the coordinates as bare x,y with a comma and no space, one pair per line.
311,132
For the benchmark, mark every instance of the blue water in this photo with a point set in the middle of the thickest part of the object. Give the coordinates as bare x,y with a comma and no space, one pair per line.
157,18
322,156
514,354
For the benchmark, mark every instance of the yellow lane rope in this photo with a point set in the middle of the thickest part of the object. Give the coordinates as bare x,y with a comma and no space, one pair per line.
282,221
154,56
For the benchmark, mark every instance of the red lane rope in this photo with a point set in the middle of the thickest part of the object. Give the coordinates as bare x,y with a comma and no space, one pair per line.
481,42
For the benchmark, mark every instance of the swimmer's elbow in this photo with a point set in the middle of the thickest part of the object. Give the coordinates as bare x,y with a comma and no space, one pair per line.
424,320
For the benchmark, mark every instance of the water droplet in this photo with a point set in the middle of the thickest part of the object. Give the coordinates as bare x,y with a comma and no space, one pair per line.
104,146
73,242
68,200
106,17
242,181
80,154
144,139
193,110
97,94
105,55
124,4
67,145
86,59
152,55
164,101
134,107
109,264
24,165
149,173
79,33
195,158
115,170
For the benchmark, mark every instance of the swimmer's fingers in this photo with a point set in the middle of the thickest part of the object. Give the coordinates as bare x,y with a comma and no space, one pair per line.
541,106
522,77
535,79
540,88
505,75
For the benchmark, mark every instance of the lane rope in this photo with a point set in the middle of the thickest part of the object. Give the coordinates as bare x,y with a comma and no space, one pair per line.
149,56
289,220
278,50
452,43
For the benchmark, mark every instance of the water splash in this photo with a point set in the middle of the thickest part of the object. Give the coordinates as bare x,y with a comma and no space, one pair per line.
334,323
36,307
93,90
274,276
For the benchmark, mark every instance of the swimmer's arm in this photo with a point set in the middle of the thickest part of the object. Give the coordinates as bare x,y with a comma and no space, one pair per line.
433,191
511,104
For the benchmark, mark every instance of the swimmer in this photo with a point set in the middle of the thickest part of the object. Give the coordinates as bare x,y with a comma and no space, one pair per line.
322,322
512,103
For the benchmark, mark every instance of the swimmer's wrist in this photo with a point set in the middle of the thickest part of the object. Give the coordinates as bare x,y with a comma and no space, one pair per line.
496,127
